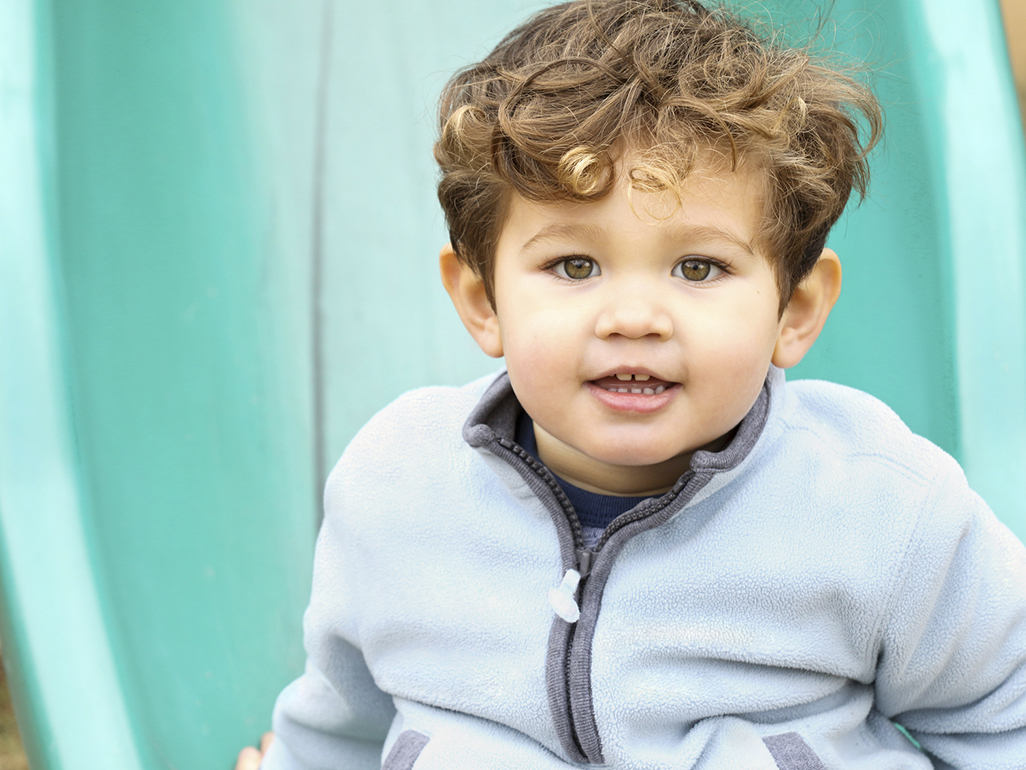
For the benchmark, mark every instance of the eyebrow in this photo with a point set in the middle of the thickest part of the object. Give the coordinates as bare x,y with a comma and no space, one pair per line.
676,232
558,230
705,233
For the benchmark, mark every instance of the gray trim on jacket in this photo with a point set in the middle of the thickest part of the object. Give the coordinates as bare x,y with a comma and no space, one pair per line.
789,602
492,426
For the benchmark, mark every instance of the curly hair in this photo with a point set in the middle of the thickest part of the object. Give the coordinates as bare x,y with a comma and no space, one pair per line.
548,113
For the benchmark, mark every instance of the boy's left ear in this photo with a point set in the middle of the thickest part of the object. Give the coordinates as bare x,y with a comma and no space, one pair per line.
807,311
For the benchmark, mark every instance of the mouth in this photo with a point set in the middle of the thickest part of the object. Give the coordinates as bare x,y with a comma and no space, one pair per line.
633,382
634,392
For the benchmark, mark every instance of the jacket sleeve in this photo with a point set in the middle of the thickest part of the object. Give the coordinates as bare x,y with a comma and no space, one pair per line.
334,715
952,662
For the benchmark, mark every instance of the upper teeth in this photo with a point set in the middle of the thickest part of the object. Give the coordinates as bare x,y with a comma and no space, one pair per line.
627,377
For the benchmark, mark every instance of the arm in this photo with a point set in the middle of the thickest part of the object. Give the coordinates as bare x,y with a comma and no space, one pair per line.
334,715
249,758
952,666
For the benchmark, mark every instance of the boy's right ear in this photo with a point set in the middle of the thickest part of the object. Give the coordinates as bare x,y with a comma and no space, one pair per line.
467,292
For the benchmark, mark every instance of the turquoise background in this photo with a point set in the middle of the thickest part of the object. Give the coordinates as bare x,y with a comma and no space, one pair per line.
218,240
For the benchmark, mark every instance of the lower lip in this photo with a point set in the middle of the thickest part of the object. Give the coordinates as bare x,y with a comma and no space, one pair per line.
634,402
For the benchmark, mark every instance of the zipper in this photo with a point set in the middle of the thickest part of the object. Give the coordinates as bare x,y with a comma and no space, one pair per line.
585,559
566,598
564,503
570,725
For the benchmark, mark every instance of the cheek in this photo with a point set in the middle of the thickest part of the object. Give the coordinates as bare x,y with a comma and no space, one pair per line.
543,364
530,361
539,343
526,348
736,348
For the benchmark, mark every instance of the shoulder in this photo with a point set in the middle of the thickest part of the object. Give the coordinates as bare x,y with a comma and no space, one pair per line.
850,467
850,451
877,470
858,427
421,423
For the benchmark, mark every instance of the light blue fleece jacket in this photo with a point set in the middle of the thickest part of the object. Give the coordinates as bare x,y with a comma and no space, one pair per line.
791,597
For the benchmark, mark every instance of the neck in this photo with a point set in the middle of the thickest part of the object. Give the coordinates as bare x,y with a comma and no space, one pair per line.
608,479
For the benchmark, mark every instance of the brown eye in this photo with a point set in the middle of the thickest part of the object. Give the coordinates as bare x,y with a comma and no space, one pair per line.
696,270
576,268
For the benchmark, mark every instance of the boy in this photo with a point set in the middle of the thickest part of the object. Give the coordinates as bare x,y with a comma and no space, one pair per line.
639,547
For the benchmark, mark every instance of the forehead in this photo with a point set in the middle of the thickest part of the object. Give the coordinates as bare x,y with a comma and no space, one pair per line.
712,200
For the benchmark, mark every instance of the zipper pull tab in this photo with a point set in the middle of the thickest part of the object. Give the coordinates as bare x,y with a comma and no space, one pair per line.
563,598
584,560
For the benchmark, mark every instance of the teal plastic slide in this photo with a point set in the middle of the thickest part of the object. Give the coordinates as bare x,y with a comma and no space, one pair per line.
218,242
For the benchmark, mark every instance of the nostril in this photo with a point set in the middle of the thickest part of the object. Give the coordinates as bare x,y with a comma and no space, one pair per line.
634,323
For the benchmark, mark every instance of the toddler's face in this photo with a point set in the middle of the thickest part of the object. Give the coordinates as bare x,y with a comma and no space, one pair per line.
635,331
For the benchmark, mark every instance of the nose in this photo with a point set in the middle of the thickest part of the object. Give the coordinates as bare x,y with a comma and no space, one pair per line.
634,316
